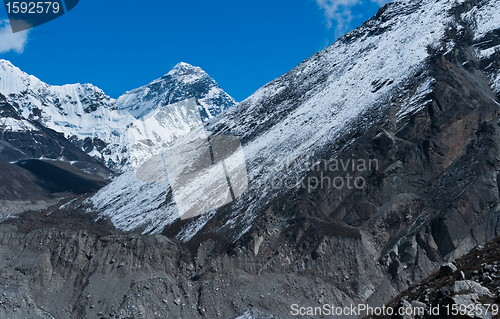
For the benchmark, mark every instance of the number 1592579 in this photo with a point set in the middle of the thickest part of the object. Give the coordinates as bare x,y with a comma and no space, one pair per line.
32,7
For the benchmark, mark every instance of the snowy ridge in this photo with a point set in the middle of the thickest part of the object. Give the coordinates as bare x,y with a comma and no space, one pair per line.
344,88
483,20
77,110
14,125
82,112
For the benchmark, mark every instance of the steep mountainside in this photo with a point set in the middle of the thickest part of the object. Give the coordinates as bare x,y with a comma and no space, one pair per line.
317,109
469,288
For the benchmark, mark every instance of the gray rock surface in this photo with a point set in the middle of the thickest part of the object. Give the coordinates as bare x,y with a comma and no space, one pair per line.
470,297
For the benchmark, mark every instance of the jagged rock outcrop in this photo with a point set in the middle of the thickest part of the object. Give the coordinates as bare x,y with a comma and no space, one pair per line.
471,291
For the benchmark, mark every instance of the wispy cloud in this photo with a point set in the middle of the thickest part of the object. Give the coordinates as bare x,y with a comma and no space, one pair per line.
10,41
340,12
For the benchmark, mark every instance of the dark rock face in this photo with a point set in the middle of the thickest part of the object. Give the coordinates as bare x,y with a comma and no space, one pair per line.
37,179
62,177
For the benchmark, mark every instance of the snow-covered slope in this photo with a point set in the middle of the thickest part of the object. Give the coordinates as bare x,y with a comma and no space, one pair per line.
341,90
16,125
483,20
77,110
184,81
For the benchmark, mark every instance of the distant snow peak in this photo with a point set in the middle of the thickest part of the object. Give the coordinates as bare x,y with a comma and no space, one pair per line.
182,67
81,112
183,82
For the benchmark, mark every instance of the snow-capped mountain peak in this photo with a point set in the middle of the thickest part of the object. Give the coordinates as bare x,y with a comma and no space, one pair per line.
182,69
184,81
80,110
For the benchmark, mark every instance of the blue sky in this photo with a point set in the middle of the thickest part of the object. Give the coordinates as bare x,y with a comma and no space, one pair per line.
122,45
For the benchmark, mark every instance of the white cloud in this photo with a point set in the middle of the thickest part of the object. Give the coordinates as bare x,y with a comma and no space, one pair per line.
340,12
10,41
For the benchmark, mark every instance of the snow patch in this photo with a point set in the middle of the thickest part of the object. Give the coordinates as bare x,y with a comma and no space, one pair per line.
496,83
484,18
415,103
14,125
